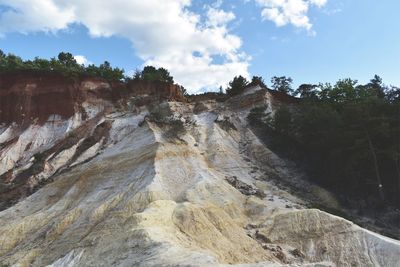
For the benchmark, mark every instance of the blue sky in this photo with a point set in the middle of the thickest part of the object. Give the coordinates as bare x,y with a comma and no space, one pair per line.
205,43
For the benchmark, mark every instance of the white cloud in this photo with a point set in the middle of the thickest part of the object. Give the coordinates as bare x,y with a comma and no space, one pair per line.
163,33
217,17
26,16
217,3
82,60
319,3
283,12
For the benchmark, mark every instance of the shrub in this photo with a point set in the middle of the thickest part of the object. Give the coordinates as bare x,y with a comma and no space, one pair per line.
226,124
174,127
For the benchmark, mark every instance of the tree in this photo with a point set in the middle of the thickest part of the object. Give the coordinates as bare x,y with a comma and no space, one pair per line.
258,80
137,75
282,122
393,94
164,75
324,89
109,73
347,138
306,91
106,65
14,62
41,64
150,73
343,91
282,84
183,90
376,86
237,85
257,116
67,59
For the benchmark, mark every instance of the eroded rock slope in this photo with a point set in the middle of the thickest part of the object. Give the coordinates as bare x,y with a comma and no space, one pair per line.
159,183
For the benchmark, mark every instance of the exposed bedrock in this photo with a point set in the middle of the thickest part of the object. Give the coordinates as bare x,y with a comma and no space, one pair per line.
135,184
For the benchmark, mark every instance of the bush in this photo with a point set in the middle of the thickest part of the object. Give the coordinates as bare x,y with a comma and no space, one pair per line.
173,127
226,124
176,128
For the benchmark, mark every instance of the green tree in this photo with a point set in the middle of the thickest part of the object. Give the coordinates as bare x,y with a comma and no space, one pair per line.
151,73
109,73
137,75
350,137
183,90
307,91
14,62
282,122
393,94
165,76
377,86
258,80
41,64
257,116
282,84
343,91
324,89
237,85
67,59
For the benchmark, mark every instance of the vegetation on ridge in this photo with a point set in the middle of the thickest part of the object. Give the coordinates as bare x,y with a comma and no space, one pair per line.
150,73
66,64
346,135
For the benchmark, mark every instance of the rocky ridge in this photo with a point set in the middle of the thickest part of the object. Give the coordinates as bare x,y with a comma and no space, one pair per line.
135,175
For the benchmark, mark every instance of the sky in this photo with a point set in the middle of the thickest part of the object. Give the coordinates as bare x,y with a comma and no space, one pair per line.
204,44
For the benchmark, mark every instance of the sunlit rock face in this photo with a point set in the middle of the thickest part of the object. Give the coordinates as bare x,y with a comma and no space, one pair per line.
48,122
132,178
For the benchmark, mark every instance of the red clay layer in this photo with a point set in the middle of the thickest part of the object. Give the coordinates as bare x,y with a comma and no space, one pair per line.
26,96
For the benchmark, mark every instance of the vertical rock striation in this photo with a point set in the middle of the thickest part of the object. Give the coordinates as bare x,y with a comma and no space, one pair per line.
113,174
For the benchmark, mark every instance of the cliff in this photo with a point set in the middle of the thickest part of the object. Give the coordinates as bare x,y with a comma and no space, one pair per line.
120,181
27,96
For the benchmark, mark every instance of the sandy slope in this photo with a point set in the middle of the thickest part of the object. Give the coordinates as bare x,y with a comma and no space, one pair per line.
139,198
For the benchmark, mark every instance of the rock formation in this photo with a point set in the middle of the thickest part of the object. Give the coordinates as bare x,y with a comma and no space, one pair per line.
99,174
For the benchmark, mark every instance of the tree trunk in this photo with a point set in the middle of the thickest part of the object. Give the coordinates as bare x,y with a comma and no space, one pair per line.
375,161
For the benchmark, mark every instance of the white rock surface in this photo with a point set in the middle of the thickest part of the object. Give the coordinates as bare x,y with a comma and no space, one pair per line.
148,200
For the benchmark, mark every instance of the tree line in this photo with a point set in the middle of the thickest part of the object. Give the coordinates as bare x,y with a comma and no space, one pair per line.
66,64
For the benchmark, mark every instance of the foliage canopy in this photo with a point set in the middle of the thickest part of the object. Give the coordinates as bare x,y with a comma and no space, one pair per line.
346,135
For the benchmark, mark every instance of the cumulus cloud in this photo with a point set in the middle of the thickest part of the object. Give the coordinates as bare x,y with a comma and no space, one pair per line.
319,3
163,33
283,12
82,60
218,17
26,16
